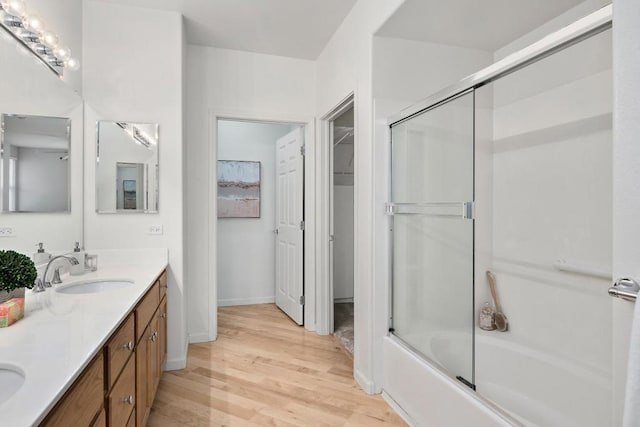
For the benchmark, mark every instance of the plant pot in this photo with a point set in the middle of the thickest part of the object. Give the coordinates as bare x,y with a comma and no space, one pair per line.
16,293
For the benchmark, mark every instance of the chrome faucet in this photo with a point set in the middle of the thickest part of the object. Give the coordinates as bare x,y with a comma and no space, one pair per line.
43,283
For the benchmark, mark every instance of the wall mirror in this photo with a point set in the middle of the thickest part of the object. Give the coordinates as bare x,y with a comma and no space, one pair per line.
127,167
34,163
42,119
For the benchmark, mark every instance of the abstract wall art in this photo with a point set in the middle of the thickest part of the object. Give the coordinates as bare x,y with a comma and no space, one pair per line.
238,189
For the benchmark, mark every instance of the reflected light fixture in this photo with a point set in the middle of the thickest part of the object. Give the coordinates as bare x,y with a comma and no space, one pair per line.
31,32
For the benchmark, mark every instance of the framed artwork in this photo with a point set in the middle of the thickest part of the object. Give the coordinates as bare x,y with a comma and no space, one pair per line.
238,189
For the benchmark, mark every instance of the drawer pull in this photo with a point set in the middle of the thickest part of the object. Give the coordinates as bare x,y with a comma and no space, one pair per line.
129,400
163,315
154,336
129,346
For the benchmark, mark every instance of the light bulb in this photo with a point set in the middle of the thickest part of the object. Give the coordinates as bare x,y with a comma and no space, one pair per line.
63,53
15,7
72,64
33,23
50,39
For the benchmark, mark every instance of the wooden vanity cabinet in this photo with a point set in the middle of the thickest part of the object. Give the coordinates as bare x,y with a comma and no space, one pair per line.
118,387
150,351
83,402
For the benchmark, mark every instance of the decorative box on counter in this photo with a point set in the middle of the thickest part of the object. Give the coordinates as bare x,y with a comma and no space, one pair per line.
11,311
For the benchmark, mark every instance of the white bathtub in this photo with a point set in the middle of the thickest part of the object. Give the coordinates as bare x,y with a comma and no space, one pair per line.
535,387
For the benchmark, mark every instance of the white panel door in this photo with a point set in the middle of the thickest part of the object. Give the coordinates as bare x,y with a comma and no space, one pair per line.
289,229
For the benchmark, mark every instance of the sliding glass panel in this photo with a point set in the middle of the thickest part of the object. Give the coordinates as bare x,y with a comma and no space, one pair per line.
432,191
544,228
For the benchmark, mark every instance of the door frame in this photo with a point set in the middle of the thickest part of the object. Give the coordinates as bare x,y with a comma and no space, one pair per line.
324,319
308,123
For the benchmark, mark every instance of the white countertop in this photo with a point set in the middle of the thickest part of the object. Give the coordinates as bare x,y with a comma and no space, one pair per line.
61,333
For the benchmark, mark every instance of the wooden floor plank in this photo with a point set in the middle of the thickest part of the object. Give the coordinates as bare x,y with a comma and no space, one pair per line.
264,370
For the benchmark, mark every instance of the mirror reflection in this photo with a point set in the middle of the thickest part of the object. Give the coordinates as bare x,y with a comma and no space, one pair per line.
127,167
34,166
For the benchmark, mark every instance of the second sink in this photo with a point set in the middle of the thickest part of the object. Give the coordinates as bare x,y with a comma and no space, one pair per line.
93,287
11,379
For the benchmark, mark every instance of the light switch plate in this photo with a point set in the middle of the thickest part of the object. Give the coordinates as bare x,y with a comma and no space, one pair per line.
155,229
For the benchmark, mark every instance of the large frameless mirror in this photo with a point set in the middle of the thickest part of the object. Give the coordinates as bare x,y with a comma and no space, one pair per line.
127,167
34,164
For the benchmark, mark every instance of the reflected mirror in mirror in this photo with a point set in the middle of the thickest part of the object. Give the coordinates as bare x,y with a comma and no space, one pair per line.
127,167
34,166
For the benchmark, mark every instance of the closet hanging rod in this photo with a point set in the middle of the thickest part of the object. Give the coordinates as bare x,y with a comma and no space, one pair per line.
582,29
335,144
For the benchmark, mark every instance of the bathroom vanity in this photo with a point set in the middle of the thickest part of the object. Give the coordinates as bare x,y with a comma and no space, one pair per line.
93,356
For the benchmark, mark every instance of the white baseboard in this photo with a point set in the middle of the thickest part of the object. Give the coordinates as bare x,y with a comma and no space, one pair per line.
177,363
364,383
245,301
398,409
199,337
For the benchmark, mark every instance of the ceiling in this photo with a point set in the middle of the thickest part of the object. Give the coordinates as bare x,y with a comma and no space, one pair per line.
293,28
486,25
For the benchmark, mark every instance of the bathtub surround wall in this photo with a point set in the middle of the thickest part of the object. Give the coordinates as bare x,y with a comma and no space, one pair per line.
119,86
230,83
626,176
246,246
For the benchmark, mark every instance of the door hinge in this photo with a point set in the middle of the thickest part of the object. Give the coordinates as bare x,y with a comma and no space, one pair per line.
302,300
303,150
302,225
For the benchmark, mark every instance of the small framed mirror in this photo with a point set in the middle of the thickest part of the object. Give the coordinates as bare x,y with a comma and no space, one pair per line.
127,167
34,164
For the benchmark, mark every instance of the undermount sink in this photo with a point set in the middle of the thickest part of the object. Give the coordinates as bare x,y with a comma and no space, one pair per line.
11,378
93,287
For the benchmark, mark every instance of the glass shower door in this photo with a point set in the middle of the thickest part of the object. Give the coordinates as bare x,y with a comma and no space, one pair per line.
432,191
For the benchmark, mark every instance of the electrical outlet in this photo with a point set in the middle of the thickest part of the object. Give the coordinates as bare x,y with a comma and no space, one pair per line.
155,229
6,232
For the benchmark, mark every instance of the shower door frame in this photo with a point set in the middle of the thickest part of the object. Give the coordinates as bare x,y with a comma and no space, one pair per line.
582,29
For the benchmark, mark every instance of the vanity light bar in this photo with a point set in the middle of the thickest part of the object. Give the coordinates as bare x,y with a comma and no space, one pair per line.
31,33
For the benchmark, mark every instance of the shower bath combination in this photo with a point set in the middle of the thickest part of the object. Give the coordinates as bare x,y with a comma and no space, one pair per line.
494,179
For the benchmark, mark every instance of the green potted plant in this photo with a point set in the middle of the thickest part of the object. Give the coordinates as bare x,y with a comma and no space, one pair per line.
17,272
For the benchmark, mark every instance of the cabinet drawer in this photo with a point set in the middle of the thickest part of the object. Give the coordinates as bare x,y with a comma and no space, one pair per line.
122,397
119,348
84,399
146,309
163,284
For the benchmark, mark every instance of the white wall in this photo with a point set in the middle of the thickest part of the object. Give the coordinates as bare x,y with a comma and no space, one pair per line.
232,84
63,17
127,78
343,242
29,88
344,67
246,246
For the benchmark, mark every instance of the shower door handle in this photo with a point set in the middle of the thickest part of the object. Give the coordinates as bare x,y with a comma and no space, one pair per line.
463,210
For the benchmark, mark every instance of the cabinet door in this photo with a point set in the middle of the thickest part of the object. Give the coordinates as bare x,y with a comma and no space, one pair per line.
163,334
153,359
142,351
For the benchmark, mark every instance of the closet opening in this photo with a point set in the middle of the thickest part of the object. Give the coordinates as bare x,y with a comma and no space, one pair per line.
342,234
